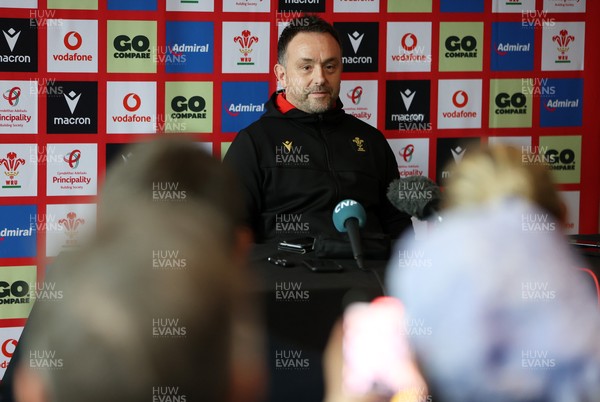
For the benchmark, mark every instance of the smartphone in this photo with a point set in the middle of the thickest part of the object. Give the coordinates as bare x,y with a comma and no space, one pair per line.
377,355
323,265
299,245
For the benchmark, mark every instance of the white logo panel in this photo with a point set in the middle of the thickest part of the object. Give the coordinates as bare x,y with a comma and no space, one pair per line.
19,3
459,104
512,6
18,107
193,6
517,142
9,338
67,226
18,170
73,46
130,107
72,169
251,6
360,100
563,46
564,6
412,155
356,6
571,200
408,46
246,47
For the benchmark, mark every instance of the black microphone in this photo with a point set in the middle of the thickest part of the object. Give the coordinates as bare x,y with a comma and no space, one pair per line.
349,216
416,196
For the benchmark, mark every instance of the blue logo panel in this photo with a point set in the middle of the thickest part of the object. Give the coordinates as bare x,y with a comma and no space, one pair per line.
18,236
243,104
512,47
190,47
461,6
147,5
561,103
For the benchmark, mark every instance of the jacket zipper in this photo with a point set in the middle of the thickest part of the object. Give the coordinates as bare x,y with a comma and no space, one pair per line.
331,172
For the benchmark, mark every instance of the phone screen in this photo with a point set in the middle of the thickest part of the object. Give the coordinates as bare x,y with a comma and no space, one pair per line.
377,356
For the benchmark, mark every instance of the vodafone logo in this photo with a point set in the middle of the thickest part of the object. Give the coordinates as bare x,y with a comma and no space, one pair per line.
73,40
460,95
132,102
409,42
355,94
8,347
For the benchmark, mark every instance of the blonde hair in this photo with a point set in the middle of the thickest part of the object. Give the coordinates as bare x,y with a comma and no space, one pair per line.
502,171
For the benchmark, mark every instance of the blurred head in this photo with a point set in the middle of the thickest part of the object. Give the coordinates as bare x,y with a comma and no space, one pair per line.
309,64
174,171
153,306
498,172
499,310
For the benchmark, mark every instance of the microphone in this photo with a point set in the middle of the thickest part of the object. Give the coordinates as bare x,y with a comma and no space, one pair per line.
416,196
349,216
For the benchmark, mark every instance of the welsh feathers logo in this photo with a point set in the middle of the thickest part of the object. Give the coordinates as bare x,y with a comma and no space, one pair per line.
245,41
563,40
71,224
11,163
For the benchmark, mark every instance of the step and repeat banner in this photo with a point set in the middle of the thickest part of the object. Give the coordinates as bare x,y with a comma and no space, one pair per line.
81,78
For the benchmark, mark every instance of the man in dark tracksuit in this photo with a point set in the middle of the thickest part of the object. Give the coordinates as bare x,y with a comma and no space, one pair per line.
305,154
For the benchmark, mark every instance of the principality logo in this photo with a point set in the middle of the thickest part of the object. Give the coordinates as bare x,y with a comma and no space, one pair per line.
245,41
12,96
73,158
355,94
359,144
407,153
563,41
71,225
456,102
71,37
11,163
11,37
129,99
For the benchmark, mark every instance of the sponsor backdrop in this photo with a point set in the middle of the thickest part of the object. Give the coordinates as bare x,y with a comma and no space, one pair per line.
78,79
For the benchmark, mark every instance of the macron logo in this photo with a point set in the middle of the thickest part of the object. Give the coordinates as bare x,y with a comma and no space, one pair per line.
72,100
458,153
11,38
355,39
407,98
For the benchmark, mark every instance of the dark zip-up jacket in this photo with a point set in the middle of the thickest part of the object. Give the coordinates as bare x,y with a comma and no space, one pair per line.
295,167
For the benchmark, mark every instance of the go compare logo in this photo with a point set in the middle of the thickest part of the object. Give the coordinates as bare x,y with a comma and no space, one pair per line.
130,46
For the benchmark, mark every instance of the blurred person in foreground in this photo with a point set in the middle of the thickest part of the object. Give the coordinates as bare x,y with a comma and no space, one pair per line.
496,283
152,309
133,265
306,154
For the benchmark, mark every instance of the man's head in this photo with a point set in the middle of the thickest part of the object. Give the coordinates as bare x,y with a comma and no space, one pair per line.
309,64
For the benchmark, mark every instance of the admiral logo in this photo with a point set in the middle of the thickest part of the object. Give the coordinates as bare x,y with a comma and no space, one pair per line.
16,292
73,42
11,165
465,47
289,154
235,109
131,103
16,232
552,105
137,47
563,40
181,49
504,48
194,108
245,42
511,104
